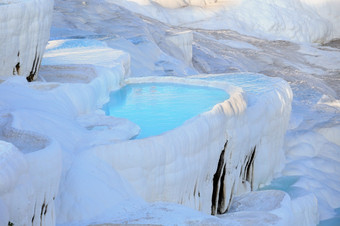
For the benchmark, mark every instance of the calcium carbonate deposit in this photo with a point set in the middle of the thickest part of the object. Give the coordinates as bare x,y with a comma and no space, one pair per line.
267,153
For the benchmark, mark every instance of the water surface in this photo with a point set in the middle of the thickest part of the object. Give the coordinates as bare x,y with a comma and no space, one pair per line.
159,107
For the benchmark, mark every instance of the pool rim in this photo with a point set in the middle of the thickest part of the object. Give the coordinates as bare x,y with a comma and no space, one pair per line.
218,108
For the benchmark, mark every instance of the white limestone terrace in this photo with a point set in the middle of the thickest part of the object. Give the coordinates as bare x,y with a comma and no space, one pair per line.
311,70
30,166
30,117
106,177
24,32
236,137
298,20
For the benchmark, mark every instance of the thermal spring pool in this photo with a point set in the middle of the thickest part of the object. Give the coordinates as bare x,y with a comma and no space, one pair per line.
160,107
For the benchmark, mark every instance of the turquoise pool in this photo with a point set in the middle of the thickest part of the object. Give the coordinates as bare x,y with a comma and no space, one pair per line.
159,107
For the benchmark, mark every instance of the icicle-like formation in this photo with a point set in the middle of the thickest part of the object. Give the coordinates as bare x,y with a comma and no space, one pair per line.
24,32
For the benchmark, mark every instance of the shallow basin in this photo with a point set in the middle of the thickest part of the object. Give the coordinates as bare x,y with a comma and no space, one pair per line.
160,107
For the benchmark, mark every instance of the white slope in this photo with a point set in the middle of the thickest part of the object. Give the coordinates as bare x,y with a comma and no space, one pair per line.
298,20
130,34
313,74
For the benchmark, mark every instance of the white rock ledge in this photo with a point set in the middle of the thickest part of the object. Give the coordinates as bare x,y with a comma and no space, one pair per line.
211,157
24,32
29,183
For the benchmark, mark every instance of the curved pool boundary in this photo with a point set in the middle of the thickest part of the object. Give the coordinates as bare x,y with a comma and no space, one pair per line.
168,81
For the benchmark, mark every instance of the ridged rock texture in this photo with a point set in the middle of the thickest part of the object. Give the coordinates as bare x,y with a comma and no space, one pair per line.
24,32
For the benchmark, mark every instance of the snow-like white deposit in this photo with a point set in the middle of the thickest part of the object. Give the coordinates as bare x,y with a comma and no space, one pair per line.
29,178
212,157
299,20
24,31
60,111
30,118
202,164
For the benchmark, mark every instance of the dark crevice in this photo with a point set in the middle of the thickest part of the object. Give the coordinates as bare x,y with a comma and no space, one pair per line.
42,211
35,206
221,195
45,209
195,189
35,66
249,168
216,182
219,204
16,69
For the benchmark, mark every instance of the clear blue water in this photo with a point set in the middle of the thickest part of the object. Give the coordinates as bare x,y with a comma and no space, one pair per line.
159,107
285,184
